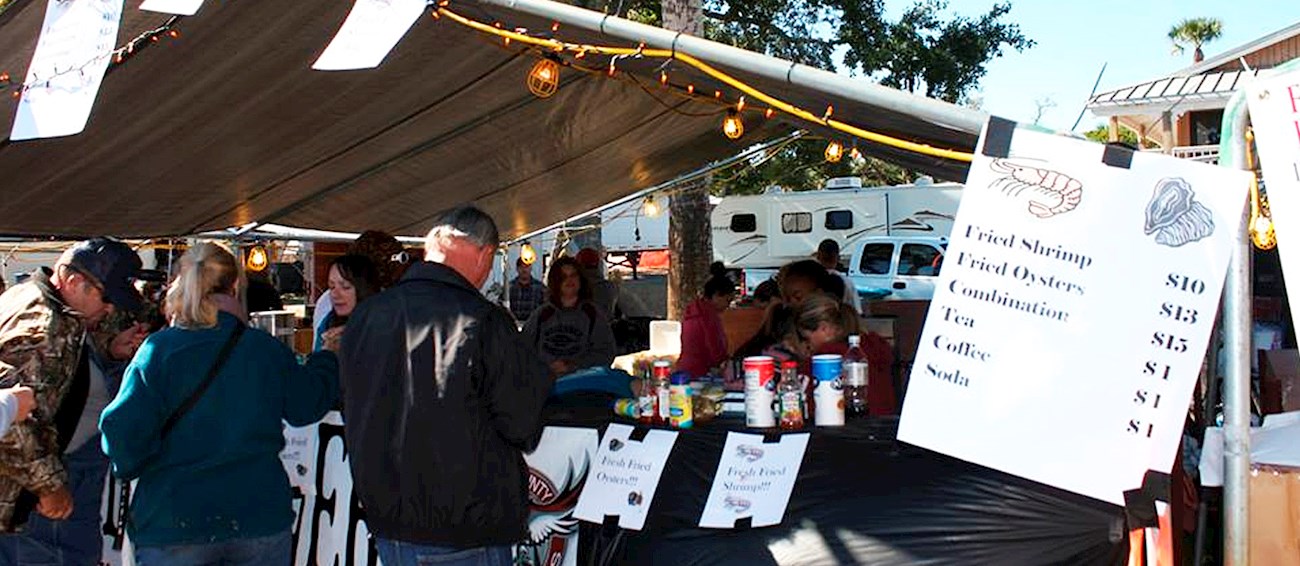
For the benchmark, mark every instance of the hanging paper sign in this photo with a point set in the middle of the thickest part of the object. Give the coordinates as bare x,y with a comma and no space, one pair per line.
372,29
72,54
754,480
557,470
299,457
1073,310
624,476
179,7
1275,115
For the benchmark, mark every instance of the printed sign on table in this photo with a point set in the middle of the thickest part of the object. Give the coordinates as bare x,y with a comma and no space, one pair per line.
179,7
72,54
371,31
625,476
1073,310
1275,115
753,480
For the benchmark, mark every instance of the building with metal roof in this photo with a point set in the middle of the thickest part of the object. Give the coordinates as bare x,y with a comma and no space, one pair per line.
1181,113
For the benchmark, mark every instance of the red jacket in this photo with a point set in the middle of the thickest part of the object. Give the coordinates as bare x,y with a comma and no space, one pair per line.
704,344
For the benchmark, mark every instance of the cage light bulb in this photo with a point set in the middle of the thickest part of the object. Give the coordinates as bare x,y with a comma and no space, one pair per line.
527,254
834,152
258,259
544,78
650,207
732,126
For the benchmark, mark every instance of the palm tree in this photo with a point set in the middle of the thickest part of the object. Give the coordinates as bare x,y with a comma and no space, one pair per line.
1195,32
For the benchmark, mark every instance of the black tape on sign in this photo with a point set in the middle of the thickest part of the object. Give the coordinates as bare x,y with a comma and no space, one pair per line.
1116,155
1140,503
771,438
638,434
610,521
743,524
997,137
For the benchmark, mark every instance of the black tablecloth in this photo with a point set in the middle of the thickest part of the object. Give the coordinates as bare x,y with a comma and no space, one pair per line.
860,498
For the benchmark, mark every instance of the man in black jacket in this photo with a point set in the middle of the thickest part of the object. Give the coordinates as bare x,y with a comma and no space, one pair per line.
441,400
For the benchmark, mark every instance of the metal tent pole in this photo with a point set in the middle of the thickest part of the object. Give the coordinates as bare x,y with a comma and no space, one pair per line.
840,86
1237,337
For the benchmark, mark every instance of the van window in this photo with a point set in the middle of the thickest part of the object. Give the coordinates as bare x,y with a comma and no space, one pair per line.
796,222
877,259
920,259
744,223
839,220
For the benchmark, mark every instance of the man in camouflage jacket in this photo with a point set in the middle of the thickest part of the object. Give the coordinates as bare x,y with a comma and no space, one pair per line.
43,329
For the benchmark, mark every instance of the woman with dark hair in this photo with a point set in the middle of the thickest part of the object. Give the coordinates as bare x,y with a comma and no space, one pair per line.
352,279
704,343
569,330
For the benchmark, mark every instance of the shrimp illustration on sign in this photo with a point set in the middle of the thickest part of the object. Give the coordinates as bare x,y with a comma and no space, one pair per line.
749,453
1048,192
737,504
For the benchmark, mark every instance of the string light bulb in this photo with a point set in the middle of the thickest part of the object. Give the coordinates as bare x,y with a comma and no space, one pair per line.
834,151
258,259
544,78
650,207
854,153
663,77
732,126
527,254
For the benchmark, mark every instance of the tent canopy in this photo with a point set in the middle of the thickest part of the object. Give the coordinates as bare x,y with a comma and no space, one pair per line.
228,125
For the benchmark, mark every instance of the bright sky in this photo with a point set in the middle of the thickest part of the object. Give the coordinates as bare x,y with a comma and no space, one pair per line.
1075,37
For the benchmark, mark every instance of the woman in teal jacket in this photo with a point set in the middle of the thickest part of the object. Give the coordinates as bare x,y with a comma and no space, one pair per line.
212,491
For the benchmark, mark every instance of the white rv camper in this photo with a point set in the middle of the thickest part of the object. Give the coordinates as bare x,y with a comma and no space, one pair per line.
770,230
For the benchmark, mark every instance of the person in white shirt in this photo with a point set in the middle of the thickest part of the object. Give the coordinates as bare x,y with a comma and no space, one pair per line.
16,405
828,254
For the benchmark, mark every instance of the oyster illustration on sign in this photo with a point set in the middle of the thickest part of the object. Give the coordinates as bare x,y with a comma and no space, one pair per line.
1174,216
1046,192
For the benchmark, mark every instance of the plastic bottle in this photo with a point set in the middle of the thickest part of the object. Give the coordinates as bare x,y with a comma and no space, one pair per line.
828,396
645,403
855,379
662,393
680,406
789,397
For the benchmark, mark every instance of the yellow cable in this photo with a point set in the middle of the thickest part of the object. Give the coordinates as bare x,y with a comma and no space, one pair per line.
555,45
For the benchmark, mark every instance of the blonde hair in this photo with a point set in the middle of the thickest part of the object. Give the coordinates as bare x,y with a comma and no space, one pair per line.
205,269
815,309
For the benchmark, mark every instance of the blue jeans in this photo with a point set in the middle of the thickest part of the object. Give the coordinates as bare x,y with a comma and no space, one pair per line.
398,553
79,538
274,550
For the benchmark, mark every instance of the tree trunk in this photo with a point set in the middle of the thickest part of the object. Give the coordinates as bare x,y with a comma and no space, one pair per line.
1198,55
690,239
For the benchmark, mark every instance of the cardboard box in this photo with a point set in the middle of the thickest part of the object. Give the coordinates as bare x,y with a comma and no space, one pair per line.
1275,516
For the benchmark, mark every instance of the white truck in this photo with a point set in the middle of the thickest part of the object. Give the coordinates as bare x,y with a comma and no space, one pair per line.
760,233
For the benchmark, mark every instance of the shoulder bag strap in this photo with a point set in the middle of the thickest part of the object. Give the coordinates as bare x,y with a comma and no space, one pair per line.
203,386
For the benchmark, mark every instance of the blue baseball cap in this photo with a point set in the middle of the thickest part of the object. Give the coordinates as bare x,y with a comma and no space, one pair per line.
115,265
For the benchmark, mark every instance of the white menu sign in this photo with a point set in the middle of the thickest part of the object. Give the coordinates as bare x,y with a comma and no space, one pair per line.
372,29
181,7
1275,115
624,476
1072,312
753,480
72,54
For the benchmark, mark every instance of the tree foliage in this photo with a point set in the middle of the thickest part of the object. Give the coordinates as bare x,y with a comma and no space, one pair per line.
925,51
1195,32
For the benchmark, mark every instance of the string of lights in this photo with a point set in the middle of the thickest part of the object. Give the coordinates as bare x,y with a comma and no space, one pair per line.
548,74
115,57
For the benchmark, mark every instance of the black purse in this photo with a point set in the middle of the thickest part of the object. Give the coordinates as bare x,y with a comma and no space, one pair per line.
124,499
